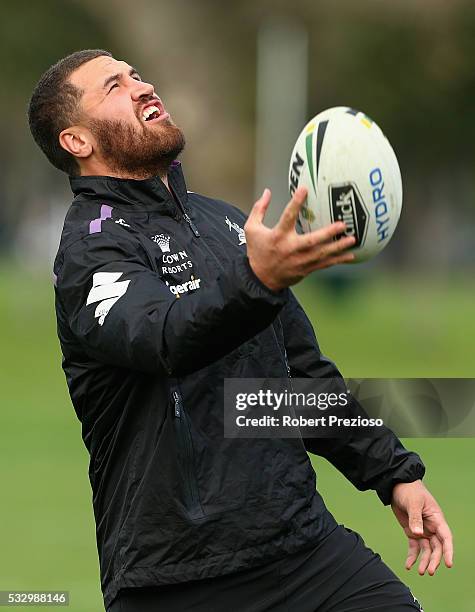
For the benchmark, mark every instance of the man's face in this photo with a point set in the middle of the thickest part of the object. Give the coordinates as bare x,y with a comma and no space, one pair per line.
134,134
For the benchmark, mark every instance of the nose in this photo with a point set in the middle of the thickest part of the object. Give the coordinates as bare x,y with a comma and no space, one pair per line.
141,89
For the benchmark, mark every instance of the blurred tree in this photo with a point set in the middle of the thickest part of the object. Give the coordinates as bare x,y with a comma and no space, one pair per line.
408,64
411,69
33,35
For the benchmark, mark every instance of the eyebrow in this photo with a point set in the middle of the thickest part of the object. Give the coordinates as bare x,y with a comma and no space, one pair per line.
118,76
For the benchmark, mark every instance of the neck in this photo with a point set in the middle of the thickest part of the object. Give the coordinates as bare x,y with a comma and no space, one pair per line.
100,169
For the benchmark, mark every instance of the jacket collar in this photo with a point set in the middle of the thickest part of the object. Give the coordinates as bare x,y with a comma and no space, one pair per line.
146,195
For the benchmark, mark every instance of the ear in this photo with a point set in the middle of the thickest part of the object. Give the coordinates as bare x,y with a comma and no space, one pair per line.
77,140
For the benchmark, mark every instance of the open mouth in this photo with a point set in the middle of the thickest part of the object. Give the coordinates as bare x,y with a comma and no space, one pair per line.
153,112
150,113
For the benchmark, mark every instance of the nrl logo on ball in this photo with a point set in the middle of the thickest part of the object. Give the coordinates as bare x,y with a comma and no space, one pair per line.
348,206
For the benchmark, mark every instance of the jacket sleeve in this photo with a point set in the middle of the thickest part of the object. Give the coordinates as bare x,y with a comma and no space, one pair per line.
376,460
122,313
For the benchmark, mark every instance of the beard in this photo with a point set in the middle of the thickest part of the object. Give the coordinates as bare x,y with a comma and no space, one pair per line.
134,154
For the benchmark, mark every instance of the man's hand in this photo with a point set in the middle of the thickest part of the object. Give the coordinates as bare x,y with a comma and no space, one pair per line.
280,257
425,526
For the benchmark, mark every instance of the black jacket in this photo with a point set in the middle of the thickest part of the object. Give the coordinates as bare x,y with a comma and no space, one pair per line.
156,304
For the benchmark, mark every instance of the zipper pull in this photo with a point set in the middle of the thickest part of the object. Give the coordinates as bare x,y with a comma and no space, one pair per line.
193,227
176,397
287,365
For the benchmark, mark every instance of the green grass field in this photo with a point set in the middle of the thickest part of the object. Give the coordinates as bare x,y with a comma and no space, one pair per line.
403,328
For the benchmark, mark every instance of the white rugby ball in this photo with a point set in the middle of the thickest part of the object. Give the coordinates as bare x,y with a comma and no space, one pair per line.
351,173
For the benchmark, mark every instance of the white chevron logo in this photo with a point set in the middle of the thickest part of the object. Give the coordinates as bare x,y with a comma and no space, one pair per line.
106,290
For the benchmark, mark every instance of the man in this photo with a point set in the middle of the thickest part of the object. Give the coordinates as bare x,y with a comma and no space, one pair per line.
158,299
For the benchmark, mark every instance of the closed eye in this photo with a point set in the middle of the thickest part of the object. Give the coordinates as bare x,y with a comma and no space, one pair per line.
116,78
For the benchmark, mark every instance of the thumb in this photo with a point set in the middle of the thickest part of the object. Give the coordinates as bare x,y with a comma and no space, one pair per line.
416,524
259,209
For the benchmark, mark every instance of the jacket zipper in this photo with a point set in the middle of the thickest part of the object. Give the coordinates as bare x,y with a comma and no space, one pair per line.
185,215
287,366
186,446
194,229
289,375
283,354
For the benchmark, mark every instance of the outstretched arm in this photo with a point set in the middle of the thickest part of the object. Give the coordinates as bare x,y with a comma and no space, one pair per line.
378,461
373,460
123,313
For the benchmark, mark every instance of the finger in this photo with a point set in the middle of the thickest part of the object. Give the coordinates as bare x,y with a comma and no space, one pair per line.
334,248
435,556
259,209
329,251
445,536
289,217
416,524
331,261
425,557
412,553
322,236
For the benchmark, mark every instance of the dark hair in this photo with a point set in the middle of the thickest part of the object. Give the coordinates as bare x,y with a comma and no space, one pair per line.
54,106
